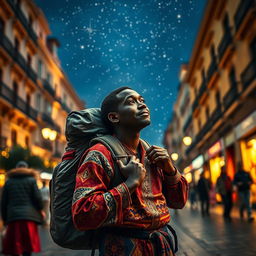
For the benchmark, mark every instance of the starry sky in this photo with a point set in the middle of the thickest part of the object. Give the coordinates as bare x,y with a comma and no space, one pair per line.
137,43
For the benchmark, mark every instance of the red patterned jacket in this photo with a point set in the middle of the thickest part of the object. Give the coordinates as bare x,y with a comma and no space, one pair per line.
96,205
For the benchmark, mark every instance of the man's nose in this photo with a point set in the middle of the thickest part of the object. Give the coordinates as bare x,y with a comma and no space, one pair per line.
142,105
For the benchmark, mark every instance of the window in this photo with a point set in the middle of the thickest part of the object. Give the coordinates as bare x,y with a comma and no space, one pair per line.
253,49
207,112
1,75
2,26
232,77
27,141
38,102
48,77
199,124
29,59
217,98
48,108
28,100
15,92
225,23
40,68
30,21
14,137
16,44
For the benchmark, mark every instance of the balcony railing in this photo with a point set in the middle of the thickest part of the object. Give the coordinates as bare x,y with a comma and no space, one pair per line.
216,115
230,97
48,87
249,74
9,95
225,42
212,68
17,57
20,15
242,10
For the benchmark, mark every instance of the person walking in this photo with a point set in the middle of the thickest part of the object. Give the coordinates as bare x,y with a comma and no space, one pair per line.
21,208
46,202
193,195
243,181
134,214
203,188
224,188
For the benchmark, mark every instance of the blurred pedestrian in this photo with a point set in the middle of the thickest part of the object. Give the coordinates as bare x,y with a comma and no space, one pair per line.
203,188
46,202
224,188
192,195
243,181
21,209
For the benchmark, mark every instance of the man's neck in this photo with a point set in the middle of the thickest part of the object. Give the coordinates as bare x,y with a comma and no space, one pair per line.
129,139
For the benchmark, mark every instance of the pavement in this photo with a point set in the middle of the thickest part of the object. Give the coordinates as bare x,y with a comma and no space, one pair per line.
197,235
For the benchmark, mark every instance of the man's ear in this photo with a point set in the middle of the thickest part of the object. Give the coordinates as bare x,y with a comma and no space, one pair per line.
113,117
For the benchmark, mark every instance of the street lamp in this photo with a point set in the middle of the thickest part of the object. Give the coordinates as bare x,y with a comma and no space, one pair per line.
175,156
49,134
187,140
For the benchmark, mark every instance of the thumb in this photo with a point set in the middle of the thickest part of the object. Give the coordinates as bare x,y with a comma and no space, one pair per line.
120,164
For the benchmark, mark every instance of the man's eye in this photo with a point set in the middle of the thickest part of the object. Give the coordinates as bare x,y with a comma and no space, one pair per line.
142,100
131,101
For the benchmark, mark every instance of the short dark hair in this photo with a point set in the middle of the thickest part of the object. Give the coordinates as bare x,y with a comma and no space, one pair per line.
110,104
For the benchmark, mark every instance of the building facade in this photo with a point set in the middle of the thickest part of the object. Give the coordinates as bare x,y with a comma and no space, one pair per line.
35,94
222,80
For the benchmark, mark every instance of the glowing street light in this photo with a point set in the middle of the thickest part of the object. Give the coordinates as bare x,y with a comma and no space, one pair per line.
49,134
175,156
187,140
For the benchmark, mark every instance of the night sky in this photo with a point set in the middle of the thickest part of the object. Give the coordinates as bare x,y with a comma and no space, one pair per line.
136,43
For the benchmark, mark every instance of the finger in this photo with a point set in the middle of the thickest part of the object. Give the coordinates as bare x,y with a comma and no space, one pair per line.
120,164
149,150
156,150
157,153
159,158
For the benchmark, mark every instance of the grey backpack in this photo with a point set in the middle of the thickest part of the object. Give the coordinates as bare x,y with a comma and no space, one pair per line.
83,129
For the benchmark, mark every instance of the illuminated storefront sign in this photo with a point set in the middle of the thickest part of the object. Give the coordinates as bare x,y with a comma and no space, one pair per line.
198,162
215,149
245,126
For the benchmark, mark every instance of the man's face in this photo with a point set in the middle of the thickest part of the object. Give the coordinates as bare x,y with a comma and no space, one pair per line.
132,110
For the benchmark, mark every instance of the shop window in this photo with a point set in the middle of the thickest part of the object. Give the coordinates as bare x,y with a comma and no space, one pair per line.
14,137
2,24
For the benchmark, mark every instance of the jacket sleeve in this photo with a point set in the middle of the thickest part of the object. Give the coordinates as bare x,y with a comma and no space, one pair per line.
175,190
36,195
4,201
94,204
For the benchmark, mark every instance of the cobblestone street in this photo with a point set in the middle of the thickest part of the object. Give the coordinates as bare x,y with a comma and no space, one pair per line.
208,236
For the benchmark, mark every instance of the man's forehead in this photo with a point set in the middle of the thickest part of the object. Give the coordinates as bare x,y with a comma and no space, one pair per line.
126,93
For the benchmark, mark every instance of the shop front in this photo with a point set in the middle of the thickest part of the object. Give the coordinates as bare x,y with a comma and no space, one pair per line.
197,167
246,134
216,160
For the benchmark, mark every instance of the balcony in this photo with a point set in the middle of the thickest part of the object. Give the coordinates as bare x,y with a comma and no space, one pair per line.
22,18
9,95
249,74
65,107
242,10
48,87
216,115
224,44
46,118
17,57
212,69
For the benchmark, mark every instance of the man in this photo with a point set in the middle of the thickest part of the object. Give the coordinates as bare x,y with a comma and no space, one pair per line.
243,181
46,201
224,188
203,188
134,214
